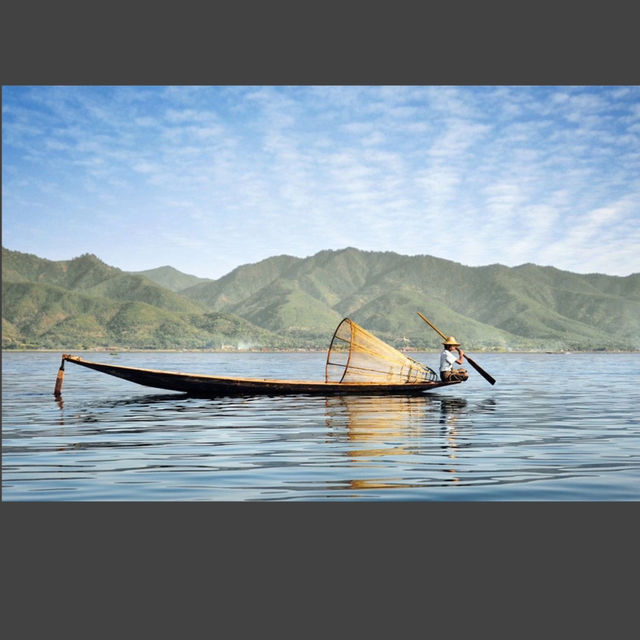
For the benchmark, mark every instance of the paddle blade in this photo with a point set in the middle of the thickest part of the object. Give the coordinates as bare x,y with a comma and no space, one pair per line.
480,370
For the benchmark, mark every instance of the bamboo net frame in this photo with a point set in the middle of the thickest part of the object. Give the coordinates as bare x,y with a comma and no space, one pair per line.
355,355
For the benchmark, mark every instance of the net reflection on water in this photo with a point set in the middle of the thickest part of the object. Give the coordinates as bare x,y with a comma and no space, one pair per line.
377,430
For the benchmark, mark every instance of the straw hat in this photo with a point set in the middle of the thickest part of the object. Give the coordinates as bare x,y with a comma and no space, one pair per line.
451,341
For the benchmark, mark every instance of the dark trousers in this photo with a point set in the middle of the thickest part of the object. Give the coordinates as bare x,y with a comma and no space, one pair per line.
454,375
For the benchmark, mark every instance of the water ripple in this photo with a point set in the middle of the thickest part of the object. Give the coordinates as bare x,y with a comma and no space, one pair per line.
550,429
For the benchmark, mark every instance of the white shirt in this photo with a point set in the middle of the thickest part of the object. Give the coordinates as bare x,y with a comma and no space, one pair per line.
447,359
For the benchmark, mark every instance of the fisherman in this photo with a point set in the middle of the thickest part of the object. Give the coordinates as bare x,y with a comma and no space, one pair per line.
448,358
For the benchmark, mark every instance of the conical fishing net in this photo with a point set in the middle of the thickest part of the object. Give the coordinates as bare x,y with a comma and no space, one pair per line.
355,355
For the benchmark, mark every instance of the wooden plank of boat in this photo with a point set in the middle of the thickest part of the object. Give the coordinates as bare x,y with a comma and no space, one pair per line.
211,386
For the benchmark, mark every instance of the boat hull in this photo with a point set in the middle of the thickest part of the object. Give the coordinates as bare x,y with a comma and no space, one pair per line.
214,386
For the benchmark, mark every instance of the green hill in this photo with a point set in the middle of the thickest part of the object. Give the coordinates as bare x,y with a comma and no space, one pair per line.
240,283
171,278
492,307
288,302
139,289
83,303
82,272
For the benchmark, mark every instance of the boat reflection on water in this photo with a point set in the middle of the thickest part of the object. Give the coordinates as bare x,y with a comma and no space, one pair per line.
373,442
377,429
376,420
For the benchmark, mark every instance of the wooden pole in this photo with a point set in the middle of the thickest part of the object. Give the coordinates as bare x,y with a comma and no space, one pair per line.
57,392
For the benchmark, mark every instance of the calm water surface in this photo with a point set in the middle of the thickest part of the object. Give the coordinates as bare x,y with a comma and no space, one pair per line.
554,427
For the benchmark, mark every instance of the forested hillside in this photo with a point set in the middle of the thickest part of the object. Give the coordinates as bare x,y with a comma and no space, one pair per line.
288,302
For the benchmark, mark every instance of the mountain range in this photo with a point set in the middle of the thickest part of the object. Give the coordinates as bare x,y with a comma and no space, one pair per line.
285,302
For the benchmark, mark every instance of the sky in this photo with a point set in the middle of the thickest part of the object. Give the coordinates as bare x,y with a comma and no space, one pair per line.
209,178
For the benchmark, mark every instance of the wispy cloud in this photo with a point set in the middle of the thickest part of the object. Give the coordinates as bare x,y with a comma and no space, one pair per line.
479,175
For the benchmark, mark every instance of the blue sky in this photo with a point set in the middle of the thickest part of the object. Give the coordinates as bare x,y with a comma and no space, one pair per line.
209,178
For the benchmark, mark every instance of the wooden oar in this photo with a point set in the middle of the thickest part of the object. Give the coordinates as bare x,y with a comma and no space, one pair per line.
474,364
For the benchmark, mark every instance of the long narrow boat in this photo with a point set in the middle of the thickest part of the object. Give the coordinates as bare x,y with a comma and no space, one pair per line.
211,386
357,363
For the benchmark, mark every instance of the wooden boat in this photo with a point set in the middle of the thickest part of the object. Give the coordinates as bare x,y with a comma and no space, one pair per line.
212,386
357,363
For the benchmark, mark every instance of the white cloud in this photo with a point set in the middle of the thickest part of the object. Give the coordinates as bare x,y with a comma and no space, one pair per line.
458,136
145,167
524,174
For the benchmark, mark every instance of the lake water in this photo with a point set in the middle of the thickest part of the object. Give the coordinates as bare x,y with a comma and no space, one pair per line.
554,427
